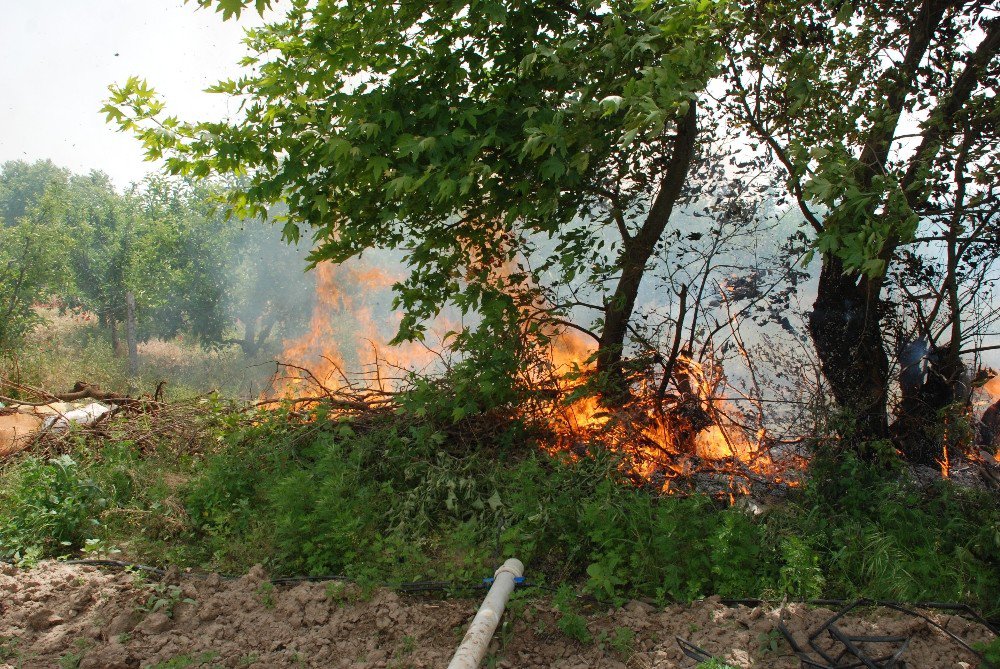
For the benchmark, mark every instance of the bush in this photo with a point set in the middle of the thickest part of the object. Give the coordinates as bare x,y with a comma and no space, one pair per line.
48,508
398,499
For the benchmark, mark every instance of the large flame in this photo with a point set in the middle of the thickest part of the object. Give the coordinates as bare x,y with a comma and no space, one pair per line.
661,443
346,346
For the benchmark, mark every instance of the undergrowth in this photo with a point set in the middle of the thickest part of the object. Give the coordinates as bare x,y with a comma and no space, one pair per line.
396,501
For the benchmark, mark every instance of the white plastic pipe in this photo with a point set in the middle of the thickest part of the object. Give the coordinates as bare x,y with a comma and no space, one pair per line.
473,648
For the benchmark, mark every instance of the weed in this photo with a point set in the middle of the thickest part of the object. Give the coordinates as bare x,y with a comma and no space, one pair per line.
801,575
266,592
408,646
621,641
570,623
713,664
344,592
185,661
163,598
71,660
48,508
768,642
8,647
991,653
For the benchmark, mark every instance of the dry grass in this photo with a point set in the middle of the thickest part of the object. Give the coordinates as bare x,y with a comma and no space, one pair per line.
72,347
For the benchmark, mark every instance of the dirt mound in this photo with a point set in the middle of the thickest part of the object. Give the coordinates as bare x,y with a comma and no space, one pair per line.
58,615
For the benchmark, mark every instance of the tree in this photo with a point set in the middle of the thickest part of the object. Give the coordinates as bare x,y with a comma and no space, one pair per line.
22,186
467,134
223,280
104,254
867,106
33,246
269,292
942,305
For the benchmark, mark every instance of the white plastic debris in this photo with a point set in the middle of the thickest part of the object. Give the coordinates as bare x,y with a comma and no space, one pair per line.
86,415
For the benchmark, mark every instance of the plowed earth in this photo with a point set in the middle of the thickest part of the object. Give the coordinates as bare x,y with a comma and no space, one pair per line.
65,616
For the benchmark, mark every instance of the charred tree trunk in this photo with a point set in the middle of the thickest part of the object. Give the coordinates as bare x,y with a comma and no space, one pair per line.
253,340
637,251
249,343
845,330
936,384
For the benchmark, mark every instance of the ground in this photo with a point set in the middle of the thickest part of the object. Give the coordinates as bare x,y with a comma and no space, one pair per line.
69,616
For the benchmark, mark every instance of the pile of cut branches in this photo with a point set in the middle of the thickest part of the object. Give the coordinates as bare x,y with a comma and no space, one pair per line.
146,421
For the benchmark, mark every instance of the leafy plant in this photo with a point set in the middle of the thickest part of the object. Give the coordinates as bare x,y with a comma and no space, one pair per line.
163,598
570,623
50,508
621,641
188,660
713,664
991,653
266,592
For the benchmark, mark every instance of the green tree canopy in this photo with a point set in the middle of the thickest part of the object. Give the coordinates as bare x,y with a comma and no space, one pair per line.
463,133
884,115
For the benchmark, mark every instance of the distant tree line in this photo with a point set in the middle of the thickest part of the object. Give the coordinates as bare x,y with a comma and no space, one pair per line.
78,242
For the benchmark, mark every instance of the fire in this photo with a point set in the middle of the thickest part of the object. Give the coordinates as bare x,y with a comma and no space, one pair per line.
346,346
661,442
344,357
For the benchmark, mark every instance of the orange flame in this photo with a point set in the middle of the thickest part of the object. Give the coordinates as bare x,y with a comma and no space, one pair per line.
345,346
654,437
345,350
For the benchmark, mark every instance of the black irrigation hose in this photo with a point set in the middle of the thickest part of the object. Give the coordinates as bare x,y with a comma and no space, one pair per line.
407,587
992,625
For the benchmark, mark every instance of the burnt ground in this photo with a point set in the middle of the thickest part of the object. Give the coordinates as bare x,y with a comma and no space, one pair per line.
66,616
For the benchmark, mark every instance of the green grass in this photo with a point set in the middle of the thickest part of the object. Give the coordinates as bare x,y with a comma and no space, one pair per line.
397,500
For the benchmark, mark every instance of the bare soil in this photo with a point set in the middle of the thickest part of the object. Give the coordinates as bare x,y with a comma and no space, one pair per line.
58,615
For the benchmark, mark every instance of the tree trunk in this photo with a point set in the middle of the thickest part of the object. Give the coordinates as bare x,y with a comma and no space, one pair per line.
133,346
845,330
249,343
921,429
116,342
637,251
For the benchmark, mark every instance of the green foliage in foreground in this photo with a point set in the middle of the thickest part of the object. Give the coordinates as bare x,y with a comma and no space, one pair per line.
393,503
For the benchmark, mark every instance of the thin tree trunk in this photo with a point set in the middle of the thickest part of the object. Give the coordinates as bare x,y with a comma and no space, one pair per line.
637,251
249,344
116,342
133,348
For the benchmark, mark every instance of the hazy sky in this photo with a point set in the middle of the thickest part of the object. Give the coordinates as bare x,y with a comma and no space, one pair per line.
59,56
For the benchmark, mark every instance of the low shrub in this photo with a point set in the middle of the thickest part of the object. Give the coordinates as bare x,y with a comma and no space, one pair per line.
48,508
396,499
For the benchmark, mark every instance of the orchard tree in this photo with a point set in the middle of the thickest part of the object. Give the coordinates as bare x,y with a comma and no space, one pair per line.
223,280
23,184
33,267
103,256
474,136
34,243
269,293
879,112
